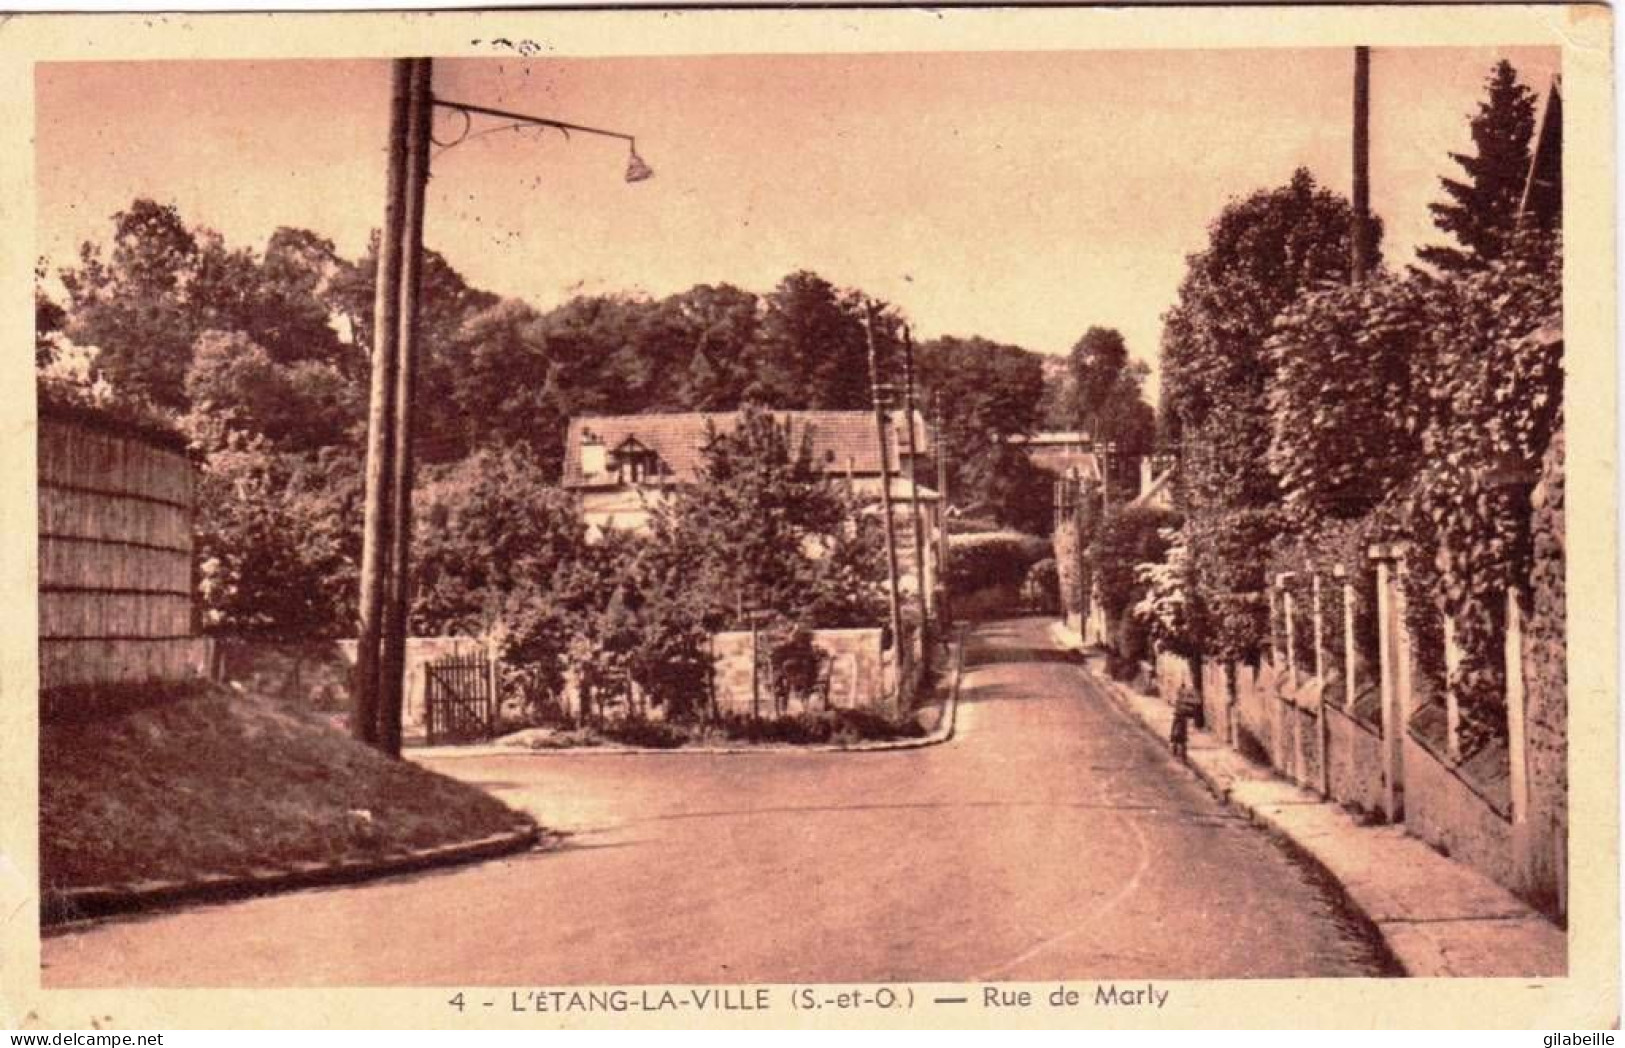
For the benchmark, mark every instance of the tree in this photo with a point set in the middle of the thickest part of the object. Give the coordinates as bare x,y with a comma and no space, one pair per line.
762,528
1019,493
813,352
136,306
235,386
989,392
1108,402
279,540
1347,397
486,527
1262,252
724,326
1482,211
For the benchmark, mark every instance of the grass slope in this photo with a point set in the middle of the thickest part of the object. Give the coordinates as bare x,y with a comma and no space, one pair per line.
217,782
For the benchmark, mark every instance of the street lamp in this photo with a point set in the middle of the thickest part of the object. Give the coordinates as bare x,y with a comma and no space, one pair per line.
386,539
637,169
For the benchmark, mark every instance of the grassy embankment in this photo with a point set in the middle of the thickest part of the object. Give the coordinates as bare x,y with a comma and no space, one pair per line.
214,782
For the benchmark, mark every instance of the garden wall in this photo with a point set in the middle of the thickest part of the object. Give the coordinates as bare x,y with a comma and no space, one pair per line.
1542,840
115,553
1443,810
861,675
1464,809
316,673
1354,761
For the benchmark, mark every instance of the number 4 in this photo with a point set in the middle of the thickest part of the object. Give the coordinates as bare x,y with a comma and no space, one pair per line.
456,1002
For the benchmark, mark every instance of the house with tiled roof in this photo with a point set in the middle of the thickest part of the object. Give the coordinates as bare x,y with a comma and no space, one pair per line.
1069,454
622,467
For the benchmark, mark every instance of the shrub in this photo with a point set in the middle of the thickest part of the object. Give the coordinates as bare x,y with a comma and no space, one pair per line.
1043,585
821,727
991,559
636,731
1127,538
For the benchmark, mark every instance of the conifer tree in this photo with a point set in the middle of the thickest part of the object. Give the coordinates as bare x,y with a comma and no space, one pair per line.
1482,211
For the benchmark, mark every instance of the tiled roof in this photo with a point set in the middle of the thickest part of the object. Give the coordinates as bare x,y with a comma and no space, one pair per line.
841,440
1080,464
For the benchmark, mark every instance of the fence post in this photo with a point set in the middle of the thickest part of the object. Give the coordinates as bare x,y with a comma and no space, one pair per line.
1452,704
1275,636
1286,708
1349,664
1392,655
1517,737
1282,581
1321,734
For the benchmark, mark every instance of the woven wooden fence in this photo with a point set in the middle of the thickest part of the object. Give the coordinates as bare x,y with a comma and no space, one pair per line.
115,556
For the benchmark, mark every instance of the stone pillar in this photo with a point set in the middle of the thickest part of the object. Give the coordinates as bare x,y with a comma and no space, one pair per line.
1517,738
1452,703
1323,779
1350,658
1281,582
1275,634
1390,628
1315,616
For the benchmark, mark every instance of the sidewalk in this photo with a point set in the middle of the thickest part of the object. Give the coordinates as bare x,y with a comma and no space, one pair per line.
1439,918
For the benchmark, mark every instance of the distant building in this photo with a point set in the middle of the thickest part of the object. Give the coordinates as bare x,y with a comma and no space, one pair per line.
621,467
1156,482
1069,454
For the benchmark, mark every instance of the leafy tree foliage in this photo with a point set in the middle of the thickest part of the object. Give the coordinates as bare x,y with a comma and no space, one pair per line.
989,393
261,358
1482,211
1346,397
277,549
1262,252
762,528
485,527
1108,402
1125,539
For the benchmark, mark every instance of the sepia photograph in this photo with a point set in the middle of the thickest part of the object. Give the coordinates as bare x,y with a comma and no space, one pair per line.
999,528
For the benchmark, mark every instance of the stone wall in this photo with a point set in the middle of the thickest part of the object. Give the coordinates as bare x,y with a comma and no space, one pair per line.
316,673
1442,809
1354,762
1543,839
860,675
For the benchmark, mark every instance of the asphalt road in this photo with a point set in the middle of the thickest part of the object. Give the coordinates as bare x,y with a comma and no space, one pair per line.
1051,839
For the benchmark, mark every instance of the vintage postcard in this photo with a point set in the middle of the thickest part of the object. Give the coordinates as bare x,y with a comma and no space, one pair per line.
876,517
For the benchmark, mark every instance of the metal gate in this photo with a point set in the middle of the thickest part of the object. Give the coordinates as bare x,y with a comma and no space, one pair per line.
460,702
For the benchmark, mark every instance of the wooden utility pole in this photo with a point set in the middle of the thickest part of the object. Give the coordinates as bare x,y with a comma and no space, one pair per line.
914,487
1360,261
392,660
885,483
376,540
943,613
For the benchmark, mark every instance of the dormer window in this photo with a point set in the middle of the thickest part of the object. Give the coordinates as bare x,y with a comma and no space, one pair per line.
634,462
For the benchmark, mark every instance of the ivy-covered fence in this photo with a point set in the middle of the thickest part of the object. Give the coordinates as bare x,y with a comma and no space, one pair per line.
1410,417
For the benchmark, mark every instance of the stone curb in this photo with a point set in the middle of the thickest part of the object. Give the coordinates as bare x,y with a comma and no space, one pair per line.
60,908
1415,951
943,732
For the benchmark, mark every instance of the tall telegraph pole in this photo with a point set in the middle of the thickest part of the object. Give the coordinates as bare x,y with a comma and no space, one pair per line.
420,115
1360,262
376,538
944,614
885,482
914,486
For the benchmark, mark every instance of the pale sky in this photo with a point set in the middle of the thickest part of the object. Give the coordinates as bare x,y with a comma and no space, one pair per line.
1022,197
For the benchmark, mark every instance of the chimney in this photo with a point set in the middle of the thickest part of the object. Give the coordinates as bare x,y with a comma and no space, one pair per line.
593,459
